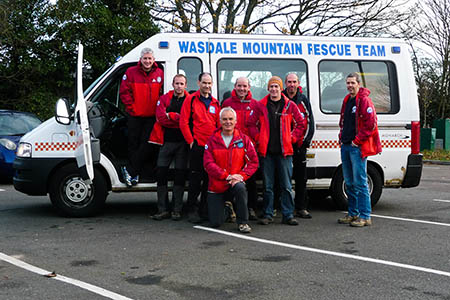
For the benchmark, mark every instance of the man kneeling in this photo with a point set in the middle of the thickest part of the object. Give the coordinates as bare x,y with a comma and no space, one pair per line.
230,159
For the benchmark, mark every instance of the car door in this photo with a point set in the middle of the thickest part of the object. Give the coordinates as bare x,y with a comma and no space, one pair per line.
83,152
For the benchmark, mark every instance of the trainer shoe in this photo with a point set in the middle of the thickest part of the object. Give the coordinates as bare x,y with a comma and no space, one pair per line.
303,213
266,220
161,216
176,216
244,228
347,219
126,177
252,214
230,212
135,180
194,217
360,222
290,221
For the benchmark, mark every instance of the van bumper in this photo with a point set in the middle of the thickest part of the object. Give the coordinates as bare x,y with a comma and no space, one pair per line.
413,171
32,174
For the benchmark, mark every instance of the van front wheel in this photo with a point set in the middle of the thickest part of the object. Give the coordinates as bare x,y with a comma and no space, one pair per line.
72,197
339,194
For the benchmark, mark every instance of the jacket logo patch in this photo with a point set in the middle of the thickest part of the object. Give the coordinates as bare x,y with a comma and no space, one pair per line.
240,145
212,109
158,79
251,113
353,109
206,147
369,110
157,103
124,77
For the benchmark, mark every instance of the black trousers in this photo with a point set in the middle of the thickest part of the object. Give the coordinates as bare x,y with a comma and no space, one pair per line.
198,180
216,205
300,176
139,150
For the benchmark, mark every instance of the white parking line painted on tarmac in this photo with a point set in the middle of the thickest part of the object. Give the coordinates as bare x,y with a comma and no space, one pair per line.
411,220
2,190
326,252
78,283
441,200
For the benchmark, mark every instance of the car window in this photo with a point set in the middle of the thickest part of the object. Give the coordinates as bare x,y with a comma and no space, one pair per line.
380,77
17,123
258,71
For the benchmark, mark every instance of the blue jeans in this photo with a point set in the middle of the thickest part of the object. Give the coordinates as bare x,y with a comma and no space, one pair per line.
277,165
354,169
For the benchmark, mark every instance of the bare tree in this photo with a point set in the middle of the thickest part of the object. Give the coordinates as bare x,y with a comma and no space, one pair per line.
303,17
432,27
345,18
227,16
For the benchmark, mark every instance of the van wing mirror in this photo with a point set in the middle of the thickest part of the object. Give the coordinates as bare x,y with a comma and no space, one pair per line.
63,112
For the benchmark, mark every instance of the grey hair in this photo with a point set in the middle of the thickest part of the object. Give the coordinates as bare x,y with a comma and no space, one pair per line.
145,51
291,73
228,108
356,76
248,80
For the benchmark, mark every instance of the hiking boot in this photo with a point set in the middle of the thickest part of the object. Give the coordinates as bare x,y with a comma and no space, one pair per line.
252,214
244,228
290,221
303,213
162,215
360,222
231,218
266,220
347,219
176,216
126,177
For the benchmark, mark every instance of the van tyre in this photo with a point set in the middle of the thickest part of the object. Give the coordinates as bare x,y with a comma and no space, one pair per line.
72,197
338,187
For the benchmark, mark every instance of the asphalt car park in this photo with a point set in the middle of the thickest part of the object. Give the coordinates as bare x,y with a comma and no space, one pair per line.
124,254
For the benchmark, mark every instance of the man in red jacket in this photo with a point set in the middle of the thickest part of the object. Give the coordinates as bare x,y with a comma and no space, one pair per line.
276,124
230,159
359,138
140,90
242,102
199,119
167,133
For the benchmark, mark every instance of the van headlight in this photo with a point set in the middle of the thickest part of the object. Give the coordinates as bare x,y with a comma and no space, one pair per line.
24,150
8,144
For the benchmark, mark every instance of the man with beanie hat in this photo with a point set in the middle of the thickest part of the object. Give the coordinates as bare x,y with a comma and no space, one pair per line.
294,92
276,124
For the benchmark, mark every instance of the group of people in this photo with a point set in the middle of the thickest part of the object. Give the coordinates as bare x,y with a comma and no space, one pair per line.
222,146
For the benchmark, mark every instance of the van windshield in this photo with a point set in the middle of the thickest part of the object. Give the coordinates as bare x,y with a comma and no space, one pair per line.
88,90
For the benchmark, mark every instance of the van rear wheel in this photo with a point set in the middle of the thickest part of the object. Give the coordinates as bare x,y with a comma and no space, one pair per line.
72,197
339,194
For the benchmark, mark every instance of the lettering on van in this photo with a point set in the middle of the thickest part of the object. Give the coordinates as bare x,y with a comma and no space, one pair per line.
280,48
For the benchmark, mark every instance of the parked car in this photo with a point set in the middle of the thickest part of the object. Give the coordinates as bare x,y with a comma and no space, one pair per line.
13,125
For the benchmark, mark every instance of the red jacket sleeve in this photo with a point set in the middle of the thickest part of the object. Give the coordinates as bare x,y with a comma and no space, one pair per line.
126,92
251,158
252,123
366,120
299,129
213,170
161,114
184,120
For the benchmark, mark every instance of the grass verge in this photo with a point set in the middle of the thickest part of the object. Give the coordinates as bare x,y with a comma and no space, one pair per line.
443,155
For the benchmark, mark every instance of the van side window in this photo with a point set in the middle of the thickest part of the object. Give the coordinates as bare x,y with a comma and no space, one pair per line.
258,71
190,67
380,77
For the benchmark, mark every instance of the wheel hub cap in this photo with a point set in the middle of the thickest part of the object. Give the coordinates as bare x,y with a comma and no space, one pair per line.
76,190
